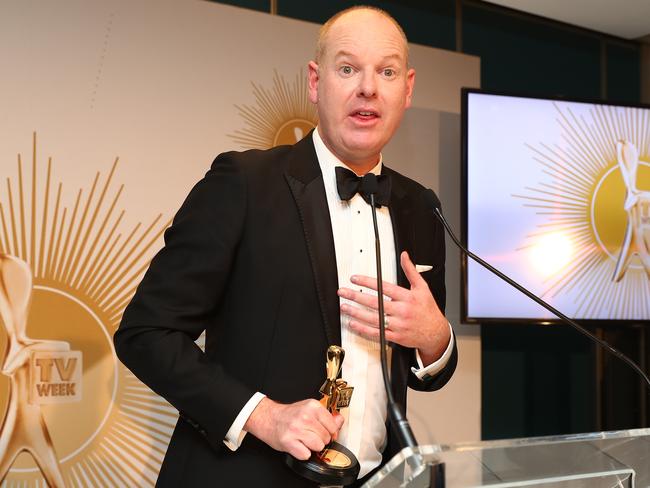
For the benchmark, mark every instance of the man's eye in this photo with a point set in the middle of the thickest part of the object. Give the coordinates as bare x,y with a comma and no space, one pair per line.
389,72
346,70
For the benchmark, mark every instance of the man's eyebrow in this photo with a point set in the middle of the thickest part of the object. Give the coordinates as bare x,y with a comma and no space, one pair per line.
396,56
347,54
343,54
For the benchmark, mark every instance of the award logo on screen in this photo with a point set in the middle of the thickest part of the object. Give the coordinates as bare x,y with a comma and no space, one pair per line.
281,115
594,200
637,206
70,414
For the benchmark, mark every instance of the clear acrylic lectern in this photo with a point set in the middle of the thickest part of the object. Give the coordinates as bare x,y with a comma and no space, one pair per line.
600,460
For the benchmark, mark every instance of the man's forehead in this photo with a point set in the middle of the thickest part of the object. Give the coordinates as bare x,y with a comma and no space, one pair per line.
367,25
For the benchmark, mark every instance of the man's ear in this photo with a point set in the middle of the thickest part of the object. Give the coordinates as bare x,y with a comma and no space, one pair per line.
312,76
410,82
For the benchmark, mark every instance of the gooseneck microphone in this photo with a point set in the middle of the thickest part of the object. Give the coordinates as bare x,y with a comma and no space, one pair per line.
401,426
369,187
431,200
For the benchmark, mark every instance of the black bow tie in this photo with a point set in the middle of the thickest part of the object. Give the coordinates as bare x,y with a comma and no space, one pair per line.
348,184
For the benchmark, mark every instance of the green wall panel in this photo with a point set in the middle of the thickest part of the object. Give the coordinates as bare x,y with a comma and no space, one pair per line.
536,380
528,55
623,73
261,5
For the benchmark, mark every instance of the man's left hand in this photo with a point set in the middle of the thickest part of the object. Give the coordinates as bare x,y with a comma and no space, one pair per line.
414,318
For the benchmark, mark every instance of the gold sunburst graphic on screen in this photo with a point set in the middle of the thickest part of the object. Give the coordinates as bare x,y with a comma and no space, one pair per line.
280,115
595,203
85,264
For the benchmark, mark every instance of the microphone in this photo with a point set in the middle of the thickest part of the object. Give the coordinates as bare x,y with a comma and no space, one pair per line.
369,187
430,199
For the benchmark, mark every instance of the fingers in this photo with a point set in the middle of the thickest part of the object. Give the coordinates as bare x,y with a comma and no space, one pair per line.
300,442
370,317
310,416
331,423
368,300
415,279
313,430
391,290
373,332
298,450
313,442
339,420
394,292
298,428
308,441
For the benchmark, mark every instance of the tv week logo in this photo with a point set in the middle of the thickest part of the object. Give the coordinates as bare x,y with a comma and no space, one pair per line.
55,377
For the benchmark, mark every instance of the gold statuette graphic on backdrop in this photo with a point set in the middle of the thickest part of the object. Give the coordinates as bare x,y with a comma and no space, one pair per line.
335,464
78,257
637,206
31,365
280,115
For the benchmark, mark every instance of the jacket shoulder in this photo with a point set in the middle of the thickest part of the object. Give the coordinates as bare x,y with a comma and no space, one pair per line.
253,159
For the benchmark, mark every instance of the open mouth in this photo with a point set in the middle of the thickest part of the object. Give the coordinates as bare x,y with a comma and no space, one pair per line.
365,114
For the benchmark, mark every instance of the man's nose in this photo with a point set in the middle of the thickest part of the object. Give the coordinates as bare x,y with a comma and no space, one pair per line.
368,85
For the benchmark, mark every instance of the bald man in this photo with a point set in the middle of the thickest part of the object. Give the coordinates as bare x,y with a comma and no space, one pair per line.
271,262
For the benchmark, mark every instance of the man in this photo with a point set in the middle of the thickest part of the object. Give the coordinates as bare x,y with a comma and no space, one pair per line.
256,257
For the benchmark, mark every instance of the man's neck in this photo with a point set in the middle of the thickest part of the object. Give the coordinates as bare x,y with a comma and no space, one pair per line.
359,167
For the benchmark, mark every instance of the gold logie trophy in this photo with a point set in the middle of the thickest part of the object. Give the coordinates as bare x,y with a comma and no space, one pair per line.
335,464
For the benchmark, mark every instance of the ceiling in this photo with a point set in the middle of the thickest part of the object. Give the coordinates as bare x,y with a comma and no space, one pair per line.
629,19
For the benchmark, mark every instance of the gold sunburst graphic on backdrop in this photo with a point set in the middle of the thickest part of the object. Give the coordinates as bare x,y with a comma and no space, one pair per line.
86,266
281,115
582,200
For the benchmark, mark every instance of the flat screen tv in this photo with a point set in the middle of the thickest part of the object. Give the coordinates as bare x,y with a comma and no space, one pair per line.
556,196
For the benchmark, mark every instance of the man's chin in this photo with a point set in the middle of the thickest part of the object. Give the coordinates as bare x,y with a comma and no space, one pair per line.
369,159
363,147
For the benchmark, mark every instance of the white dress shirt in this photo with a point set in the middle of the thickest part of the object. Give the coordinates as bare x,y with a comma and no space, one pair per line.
364,430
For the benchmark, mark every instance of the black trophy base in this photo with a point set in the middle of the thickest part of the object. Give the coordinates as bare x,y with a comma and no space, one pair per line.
335,465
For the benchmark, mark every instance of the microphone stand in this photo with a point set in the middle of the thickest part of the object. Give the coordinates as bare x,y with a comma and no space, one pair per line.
398,420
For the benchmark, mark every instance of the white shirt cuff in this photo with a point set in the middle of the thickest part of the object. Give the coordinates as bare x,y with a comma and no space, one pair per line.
434,368
236,433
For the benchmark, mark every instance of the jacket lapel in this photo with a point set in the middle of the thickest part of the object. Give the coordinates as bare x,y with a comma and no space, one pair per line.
400,209
306,183
401,216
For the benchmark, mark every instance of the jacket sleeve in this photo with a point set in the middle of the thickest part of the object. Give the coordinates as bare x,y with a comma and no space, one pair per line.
177,299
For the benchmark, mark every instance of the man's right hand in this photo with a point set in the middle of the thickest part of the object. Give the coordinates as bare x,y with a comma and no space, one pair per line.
297,428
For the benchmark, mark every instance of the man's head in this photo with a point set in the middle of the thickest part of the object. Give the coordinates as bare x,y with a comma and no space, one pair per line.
361,84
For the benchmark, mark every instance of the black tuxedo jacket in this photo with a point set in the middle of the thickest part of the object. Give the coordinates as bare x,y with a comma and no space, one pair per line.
250,259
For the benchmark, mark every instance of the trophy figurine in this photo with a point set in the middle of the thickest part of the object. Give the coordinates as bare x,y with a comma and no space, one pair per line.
637,207
335,464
